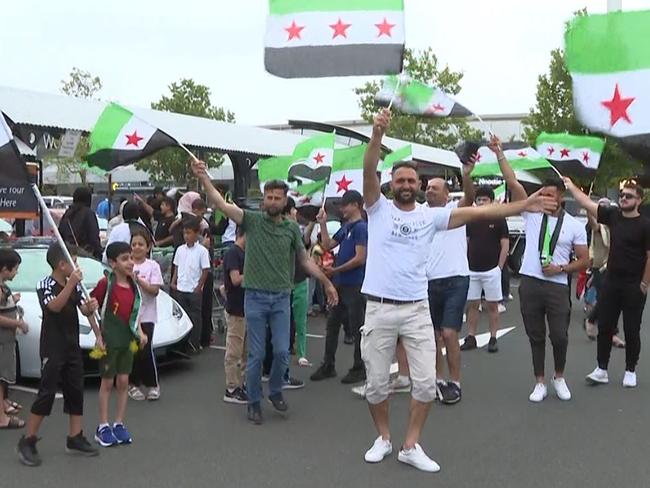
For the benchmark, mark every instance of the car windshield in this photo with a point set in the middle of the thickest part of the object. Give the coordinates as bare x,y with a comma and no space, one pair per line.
34,268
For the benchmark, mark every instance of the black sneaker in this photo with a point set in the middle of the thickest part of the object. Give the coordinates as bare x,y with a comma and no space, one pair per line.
469,343
450,393
292,384
348,339
323,372
27,452
237,396
278,403
492,345
80,445
255,413
354,376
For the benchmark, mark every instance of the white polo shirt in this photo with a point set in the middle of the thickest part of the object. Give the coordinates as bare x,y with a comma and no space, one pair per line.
398,248
190,263
448,252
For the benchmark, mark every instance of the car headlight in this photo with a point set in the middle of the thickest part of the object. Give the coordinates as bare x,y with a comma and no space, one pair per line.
177,311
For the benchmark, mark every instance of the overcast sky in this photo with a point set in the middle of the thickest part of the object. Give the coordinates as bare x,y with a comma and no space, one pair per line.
138,47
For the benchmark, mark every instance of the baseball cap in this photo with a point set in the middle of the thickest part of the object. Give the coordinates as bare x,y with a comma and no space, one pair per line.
351,196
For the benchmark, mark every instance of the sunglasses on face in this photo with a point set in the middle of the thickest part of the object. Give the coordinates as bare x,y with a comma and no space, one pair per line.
627,196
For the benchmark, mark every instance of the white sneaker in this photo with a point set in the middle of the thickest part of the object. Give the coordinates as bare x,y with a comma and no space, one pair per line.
417,458
539,393
501,308
360,390
598,377
561,389
135,393
629,380
401,384
379,450
304,363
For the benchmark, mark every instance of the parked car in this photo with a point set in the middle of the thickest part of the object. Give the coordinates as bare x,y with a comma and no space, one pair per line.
57,202
172,326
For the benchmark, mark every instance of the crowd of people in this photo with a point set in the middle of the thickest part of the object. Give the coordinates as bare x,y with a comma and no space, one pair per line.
402,278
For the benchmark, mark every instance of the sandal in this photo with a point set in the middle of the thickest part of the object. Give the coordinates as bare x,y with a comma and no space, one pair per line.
13,404
11,410
14,423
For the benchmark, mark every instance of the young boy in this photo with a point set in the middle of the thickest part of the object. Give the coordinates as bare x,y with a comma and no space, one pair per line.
59,296
162,236
119,297
10,322
149,278
190,271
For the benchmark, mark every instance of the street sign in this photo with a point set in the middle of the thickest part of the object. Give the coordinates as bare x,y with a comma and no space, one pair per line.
69,143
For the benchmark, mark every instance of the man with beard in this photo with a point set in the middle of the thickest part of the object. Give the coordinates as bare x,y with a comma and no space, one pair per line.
399,239
544,291
272,244
626,281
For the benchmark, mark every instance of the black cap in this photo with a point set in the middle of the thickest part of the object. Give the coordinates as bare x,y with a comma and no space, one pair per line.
351,196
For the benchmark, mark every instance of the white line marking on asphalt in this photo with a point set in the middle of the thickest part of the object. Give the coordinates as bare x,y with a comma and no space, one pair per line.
33,391
221,348
315,336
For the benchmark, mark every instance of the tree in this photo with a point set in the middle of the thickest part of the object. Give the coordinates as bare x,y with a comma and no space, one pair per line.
554,112
80,84
446,132
189,98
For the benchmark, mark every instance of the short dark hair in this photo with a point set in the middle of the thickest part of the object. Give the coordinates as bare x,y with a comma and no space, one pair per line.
170,202
638,189
192,223
82,195
55,253
9,258
131,211
291,204
484,191
116,249
276,185
198,204
555,183
405,164
144,234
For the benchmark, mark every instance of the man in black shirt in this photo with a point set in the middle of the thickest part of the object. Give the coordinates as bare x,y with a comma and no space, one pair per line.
487,251
626,281
163,237
235,359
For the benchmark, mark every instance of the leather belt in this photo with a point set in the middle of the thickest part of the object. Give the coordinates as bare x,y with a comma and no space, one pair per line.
390,301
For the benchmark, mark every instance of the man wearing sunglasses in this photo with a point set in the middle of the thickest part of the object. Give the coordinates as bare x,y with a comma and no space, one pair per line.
626,282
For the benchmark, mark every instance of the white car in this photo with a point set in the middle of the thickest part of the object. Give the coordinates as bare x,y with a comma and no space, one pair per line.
172,326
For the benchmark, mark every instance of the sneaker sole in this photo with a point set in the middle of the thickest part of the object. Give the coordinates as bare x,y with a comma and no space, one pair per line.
403,389
593,382
23,460
104,444
292,387
76,452
234,401
377,462
123,443
401,459
321,378
629,386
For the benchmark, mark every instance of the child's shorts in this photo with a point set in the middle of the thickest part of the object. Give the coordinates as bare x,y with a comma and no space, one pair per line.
8,362
117,361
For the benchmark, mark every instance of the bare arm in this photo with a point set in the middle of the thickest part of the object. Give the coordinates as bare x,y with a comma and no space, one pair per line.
147,208
468,185
646,274
309,230
516,188
505,249
57,304
202,280
583,200
173,284
326,241
148,287
167,241
236,277
359,259
231,210
371,185
7,323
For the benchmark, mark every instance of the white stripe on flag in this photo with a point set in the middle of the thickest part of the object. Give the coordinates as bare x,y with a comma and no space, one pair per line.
558,152
342,181
136,131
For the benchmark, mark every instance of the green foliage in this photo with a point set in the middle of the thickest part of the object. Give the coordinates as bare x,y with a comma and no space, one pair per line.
190,98
441,132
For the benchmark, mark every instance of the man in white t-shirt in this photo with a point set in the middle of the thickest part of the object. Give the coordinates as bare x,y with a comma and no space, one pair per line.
544,291
400,233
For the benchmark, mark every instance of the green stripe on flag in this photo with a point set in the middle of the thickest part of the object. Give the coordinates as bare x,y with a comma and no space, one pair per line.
274,168
608,43
283,7
417,93
108,127
350,158
595,144
493,169
402,154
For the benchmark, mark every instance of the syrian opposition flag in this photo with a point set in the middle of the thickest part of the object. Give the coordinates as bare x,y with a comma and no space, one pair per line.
17,199
347,171
572,155
413,97
120,138
608,57
500,193
306,171
386,166
316,38
520,157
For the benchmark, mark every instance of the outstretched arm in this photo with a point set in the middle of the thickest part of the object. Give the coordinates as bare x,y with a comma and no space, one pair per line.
232,211
583,200
371,185
517,190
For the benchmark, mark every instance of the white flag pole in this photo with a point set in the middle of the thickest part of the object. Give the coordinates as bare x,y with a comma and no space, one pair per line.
191,154
57,234
397,87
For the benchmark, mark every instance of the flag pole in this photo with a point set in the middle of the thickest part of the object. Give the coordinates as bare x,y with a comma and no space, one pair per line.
397,87
191,154
48,216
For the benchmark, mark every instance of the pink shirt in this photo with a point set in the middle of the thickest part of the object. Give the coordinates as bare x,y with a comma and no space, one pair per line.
150,271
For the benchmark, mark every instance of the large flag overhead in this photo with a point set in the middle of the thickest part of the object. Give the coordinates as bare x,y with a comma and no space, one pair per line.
120,138
347,171
16,196
306,171
316,38
386,166
519,155
413,97
572,155
608,57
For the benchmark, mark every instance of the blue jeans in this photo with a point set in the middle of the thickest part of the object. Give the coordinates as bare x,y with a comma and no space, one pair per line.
447,298
266,309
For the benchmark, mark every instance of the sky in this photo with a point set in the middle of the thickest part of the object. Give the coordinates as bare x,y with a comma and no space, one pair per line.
139,47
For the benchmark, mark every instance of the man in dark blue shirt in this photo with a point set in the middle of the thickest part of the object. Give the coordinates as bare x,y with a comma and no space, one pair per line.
347,274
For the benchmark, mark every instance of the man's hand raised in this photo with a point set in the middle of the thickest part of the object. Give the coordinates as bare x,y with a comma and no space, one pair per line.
381,124
537,203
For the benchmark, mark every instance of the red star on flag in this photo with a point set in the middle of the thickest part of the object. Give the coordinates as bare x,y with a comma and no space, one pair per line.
564,153
551,150
522,154
294,31
385,28
340,29
585,157
133,139
319,158
306,199
438,108
617,107
343,184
